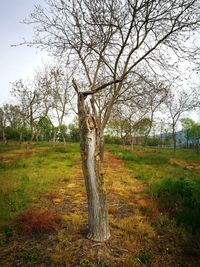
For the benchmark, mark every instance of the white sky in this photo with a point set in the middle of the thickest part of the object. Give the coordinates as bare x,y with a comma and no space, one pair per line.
16,62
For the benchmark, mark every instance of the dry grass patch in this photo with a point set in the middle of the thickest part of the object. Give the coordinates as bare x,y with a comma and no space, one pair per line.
185,165
36,222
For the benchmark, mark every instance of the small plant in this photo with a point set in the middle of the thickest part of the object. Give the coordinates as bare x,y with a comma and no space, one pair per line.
61,150
2,240
33,222
87,263
24,180
8,231
144,257
179,198
31,255
2,165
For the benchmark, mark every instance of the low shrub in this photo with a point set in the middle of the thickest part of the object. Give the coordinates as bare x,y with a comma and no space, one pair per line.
61,150
181,199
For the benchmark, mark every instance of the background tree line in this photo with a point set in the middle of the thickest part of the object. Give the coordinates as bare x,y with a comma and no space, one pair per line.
44,104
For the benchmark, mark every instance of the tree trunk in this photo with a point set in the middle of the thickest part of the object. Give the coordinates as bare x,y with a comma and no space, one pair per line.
63,138
4,137
90,140
20,137
54,136
32,136
102,146
174,139
132,143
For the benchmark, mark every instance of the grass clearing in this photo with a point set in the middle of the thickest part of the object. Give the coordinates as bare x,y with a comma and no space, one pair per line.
23,179
142,232
173,179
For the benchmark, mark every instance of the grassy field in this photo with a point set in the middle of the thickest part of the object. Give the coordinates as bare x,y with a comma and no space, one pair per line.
153,201
25,174
173,179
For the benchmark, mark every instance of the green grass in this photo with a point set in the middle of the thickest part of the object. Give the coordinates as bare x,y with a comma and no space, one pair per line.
154,163
181,199
22,180
176,189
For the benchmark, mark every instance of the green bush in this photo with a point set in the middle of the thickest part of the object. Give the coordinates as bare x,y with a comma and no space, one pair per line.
180,197
61,149
112,139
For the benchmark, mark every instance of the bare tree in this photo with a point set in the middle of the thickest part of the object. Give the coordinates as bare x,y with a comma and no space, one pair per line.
54,89
177,104
29,99
107,40
15,119
3,120
60,93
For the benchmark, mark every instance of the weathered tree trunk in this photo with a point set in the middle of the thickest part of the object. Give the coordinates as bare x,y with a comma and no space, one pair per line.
90,141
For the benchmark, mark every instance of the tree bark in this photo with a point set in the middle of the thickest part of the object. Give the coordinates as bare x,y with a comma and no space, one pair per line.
63,138
174,138
90,142
54,136
102,146
4,137
20,137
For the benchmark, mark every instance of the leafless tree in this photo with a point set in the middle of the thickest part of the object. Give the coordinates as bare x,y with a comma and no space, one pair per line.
60,96
177,104
29,100
107,41
3,120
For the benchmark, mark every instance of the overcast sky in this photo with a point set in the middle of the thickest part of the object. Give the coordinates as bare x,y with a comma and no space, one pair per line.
16,62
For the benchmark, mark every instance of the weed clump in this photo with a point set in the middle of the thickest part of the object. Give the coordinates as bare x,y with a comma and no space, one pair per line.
87,263
31,255
34,222
144,257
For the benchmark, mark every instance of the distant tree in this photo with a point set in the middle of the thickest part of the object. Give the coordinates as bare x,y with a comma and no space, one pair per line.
3,120
29,100
177,105
192,131
16,120
141,127
74,130
45,128
54,89
187,126
62,133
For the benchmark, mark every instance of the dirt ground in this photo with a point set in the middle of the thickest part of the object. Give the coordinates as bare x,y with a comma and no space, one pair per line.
140,234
